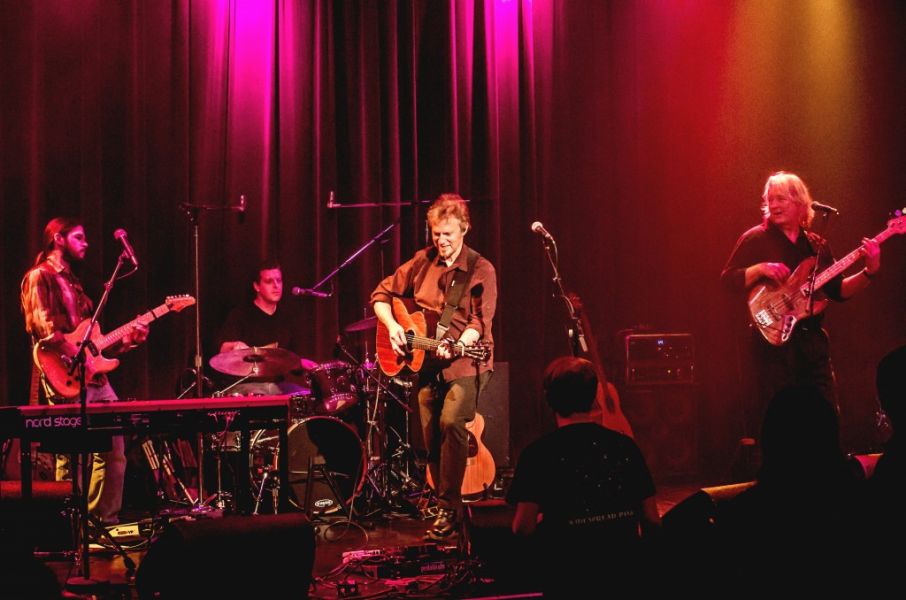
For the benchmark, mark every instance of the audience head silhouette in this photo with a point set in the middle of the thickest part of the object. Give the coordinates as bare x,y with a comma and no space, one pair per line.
800,437
570,385
891,384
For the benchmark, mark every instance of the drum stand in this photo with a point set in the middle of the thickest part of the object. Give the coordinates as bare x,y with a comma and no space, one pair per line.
388,474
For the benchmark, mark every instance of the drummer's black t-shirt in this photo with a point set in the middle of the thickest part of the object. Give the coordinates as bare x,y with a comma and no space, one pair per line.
250,324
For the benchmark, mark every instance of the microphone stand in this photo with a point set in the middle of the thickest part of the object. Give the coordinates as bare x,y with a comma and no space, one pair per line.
83,581
813,275
576,333
314,291
193,212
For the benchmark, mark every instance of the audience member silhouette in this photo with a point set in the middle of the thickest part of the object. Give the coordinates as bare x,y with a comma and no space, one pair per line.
891,385
583,493
804,512
886,520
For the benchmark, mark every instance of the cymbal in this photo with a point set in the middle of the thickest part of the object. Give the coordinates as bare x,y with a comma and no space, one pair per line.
363,325
256,362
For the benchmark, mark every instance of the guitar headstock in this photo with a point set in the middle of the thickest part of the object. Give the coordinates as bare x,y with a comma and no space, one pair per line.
177,303
898,223
480,351
576,302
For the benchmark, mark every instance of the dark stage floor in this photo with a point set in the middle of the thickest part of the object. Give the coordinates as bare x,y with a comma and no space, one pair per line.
381,556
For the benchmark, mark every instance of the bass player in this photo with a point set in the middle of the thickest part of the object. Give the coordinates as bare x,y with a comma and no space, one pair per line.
768,254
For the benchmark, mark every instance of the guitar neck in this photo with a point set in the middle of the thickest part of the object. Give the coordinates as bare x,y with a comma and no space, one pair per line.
847,261
418,342
117,334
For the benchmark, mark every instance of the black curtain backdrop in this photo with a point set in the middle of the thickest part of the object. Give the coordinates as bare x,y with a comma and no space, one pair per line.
640,134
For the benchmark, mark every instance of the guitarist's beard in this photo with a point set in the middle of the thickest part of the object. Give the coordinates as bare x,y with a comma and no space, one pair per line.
72,259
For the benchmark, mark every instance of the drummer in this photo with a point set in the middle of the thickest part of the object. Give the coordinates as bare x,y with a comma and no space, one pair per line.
264,322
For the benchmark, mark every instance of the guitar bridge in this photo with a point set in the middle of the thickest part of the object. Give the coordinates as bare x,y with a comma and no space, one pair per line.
764,318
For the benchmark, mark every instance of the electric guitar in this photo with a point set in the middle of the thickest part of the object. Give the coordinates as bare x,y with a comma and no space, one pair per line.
776,308
56,361
606,409
421,348
480,467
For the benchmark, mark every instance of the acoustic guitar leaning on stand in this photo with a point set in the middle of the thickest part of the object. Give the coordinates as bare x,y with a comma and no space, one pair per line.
607,410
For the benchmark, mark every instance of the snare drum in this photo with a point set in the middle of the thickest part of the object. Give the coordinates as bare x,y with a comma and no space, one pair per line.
334,387
336,441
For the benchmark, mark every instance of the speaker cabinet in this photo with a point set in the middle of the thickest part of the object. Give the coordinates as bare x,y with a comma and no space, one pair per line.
494,406
502,556
267,556
665,421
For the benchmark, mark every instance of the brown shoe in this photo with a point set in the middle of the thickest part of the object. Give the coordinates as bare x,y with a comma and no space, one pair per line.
444,525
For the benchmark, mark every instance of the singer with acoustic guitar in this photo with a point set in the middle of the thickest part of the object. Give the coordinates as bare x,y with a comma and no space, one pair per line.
55,304
788,273
457,286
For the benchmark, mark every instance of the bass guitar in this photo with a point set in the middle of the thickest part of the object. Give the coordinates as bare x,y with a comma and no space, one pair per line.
56,361
606,410
776,308
480,467
417,322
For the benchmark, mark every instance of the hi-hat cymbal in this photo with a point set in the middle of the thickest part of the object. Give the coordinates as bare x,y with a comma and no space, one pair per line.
363,325
256,362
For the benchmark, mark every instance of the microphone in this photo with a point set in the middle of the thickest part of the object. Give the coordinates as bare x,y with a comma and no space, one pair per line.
538,228
120,234
298,291
824,208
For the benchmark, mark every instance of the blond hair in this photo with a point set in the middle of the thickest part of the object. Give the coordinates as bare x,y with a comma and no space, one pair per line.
449,206
796,191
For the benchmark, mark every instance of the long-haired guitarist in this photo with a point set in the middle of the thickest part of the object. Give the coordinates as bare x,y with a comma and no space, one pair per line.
54,303
789,345
448,394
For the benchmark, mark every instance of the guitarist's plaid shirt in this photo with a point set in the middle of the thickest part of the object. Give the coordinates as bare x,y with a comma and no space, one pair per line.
53,300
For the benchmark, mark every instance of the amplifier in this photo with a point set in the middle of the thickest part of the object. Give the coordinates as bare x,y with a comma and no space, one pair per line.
659,358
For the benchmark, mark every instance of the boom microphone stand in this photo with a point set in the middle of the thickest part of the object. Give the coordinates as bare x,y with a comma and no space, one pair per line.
576,333
193,212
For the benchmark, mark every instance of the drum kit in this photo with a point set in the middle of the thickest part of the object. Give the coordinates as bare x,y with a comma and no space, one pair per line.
348,428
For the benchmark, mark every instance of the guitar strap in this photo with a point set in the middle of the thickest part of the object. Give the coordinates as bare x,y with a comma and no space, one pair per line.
453,294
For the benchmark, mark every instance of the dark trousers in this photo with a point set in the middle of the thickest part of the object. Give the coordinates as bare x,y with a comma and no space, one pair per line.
803,360
444,409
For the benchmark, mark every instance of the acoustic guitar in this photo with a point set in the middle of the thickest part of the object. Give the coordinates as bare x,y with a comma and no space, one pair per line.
418,322
606,410
775,309
57,360
480,466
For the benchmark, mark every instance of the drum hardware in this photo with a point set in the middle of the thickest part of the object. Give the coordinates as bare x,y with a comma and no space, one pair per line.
221,499
334,386
366,324
161,464
387,476
326,460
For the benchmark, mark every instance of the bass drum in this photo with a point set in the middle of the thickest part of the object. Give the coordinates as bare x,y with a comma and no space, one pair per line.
343,462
